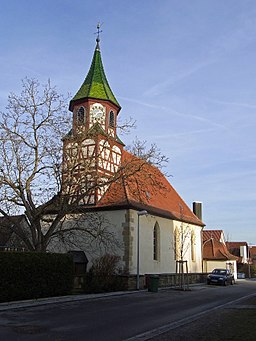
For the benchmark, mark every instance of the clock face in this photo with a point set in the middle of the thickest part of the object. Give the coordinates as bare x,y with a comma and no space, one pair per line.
97,114
97,110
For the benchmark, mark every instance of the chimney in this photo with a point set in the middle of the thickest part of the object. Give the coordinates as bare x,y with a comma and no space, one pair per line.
197,209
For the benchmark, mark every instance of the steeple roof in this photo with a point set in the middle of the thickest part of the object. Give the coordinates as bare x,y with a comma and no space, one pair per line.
95,84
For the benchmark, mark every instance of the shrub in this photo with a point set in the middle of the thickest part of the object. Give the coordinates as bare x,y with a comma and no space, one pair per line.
26,275
245,268
104,275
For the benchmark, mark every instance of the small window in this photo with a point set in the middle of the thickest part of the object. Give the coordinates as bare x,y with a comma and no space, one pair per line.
80,116
111,119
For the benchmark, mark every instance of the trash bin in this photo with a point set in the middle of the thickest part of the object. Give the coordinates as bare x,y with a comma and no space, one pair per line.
153,283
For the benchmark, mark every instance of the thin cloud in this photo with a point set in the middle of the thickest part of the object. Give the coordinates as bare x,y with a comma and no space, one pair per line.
174,112
198,118
132,100
237,104
160,87
191,132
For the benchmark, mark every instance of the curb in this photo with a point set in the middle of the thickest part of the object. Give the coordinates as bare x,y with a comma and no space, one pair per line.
72,298
59,299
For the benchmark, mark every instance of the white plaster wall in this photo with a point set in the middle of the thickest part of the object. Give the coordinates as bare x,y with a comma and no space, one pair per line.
196,264
166,262
116,221
126,222
210,265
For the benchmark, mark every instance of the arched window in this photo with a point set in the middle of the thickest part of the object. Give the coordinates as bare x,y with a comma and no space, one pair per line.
80,116
111,119
193,247
156,242
176,243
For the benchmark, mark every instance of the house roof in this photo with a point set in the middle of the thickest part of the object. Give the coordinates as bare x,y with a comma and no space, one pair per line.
95,84
140,186
253,253
235,245
215,250
147,188
234,248
253,250
216,234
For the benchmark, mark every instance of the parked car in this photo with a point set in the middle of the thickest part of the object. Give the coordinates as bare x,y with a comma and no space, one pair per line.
220,276
241,275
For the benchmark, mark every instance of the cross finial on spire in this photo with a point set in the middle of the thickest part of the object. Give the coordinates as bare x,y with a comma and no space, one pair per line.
98,35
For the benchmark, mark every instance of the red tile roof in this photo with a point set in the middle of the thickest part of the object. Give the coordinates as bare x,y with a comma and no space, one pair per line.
253,250
145,187
215,250
234,248
208,234
235,245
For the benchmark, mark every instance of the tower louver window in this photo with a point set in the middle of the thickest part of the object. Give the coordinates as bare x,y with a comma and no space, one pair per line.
81,116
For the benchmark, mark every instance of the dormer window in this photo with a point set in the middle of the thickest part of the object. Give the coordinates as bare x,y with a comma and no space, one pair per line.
111,119
80,116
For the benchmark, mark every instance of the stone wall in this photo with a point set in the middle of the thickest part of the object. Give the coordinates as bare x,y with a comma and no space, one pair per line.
165,280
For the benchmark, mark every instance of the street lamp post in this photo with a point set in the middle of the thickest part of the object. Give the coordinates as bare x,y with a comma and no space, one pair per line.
144,212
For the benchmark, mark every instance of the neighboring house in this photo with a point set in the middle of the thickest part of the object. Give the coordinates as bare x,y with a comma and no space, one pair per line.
8,238
216,254
169,219
252,250
215,234
239,249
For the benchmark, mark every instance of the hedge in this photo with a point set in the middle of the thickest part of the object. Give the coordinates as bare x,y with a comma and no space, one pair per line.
31,275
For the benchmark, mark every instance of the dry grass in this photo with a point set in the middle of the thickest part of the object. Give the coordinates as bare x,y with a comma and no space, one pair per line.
234,323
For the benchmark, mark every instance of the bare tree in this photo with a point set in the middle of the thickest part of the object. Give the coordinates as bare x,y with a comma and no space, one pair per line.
152,155
36,179
182,238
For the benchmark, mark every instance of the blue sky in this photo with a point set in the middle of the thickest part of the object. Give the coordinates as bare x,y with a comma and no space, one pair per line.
185,70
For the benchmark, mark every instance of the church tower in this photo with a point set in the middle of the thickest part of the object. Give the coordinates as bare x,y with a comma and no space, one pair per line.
92,150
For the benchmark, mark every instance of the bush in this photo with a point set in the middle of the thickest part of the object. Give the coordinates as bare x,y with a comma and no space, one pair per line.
26,275
245,268
104,276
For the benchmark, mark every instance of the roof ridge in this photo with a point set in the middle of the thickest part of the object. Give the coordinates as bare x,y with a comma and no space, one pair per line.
91,68
213,246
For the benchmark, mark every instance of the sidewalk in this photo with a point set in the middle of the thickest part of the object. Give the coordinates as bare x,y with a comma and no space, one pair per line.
72,298
59,299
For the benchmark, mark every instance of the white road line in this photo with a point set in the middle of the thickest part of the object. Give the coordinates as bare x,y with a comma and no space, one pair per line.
170,326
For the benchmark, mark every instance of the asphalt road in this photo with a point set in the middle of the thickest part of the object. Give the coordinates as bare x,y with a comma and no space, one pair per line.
137,316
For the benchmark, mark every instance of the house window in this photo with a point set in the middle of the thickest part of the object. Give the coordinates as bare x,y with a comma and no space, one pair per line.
156,242
111,119
80,116
193,247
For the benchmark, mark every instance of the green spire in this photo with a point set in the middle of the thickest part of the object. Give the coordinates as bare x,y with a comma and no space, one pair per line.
95,84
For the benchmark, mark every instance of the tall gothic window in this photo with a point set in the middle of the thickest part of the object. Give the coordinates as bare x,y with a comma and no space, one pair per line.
111,119
193,247
156,242
176,243
80,116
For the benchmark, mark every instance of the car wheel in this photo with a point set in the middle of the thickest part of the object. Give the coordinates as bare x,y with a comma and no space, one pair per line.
225,283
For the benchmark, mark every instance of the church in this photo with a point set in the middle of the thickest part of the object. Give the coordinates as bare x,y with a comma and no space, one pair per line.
153,225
